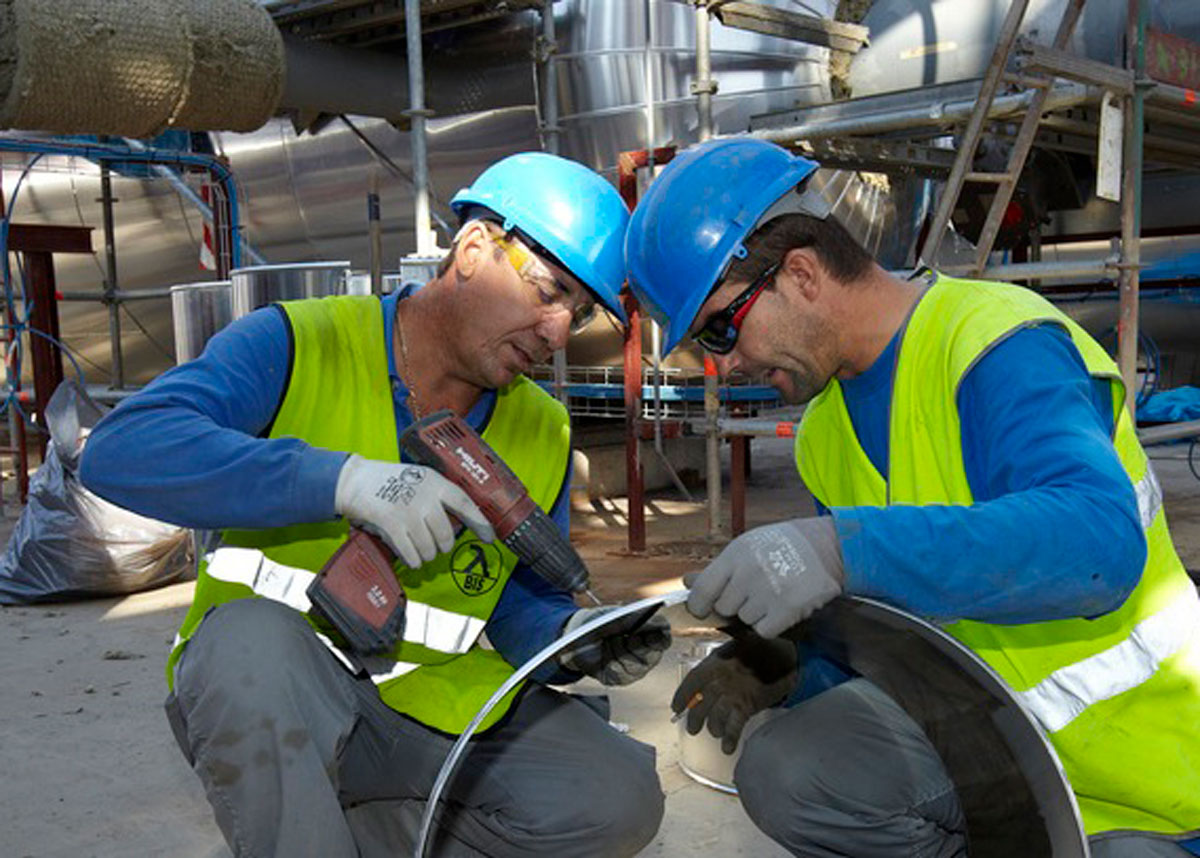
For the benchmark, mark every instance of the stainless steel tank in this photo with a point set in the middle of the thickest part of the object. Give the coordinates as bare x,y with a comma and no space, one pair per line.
199,310
916,43
260,285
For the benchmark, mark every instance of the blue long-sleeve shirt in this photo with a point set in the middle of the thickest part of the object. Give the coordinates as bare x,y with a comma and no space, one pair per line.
191,449
1054,531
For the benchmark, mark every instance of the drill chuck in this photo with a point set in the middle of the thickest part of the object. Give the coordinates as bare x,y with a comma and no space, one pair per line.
538,542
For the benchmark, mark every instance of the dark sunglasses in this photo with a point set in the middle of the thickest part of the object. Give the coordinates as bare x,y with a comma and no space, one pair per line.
720,332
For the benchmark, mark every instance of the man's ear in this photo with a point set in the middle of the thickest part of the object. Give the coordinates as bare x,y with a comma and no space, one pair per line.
803,271
471,246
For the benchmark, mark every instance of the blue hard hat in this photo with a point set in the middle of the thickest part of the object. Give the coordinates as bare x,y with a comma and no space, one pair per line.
571,212
694,218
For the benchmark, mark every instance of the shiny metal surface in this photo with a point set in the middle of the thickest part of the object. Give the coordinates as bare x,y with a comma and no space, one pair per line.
551,650
261,285
917,43
304,196
603,81
700,756
199,310
1009,780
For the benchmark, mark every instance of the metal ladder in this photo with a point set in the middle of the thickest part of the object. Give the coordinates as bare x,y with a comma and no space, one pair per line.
1006,182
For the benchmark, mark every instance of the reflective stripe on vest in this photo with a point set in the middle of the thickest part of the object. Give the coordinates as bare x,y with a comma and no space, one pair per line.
1149,497
1062,696
426,625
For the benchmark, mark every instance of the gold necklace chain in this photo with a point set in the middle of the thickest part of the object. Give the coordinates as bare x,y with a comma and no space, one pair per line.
413,404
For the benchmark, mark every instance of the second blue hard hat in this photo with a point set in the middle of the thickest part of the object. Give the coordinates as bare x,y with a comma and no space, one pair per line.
569,210
694,220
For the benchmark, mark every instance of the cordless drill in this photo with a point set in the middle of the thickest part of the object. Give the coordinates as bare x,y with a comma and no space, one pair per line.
357,590
445,442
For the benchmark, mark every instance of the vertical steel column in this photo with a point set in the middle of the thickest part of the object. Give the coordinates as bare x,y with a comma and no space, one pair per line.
1131,202
703,87
548,47
635,487
374,235
417,113
712,446
110,280
628,164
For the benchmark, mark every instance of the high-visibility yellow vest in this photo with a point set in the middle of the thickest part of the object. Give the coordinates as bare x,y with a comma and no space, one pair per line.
1118,695
339,397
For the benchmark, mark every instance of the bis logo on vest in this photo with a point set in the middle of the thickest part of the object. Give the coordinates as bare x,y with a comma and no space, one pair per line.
476,567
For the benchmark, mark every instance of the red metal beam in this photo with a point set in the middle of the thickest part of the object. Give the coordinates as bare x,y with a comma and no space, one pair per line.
43,238
47,357
635,487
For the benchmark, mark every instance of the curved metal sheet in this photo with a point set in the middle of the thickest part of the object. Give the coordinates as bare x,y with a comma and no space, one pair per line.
550,651
1013,791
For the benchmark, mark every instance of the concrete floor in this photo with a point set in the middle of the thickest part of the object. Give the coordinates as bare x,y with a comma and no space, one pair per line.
89,767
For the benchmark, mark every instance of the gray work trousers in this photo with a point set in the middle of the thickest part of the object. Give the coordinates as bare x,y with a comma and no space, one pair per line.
848,773
299,757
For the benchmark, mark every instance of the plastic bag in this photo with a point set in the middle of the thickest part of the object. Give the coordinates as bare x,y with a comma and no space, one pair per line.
71,543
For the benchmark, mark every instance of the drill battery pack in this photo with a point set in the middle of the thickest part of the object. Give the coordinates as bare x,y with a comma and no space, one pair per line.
358,593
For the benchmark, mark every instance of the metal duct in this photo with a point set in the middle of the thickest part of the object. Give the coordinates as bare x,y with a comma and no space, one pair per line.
135,67
198,311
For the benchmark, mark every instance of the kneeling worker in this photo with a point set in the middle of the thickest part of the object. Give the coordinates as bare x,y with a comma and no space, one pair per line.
972,448
284,432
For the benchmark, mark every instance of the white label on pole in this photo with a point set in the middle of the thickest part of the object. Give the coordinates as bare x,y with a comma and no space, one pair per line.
1108,156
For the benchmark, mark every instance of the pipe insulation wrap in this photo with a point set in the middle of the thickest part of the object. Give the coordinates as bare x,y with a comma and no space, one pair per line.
135,67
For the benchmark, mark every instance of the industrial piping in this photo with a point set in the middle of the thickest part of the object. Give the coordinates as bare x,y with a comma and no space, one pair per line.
135,67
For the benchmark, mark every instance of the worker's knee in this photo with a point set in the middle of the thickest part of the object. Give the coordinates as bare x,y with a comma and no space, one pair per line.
608,809
776,779
629,801
252,648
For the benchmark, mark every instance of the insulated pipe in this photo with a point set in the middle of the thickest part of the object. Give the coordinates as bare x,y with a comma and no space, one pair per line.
426,246
1027,270
136,67
1060,98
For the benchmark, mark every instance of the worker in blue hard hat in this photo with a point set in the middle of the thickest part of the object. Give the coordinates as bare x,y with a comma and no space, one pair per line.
972,462
283,433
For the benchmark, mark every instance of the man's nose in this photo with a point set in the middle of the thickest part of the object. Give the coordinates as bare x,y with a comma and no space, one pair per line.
555,328
726,364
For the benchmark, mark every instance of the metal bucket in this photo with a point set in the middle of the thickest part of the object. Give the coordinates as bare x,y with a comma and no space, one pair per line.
198,311
700,756
260,285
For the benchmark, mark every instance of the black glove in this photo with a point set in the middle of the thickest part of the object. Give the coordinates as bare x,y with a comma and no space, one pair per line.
620,658
741,677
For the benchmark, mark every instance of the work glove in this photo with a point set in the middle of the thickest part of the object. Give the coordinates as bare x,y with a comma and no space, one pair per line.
407,506
772,577
620,658
739,678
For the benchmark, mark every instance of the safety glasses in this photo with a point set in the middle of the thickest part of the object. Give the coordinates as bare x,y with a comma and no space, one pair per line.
551,291
720,332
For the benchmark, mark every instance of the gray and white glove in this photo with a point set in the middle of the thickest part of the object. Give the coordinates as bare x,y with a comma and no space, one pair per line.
738,679
772,577
620,658
407,506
